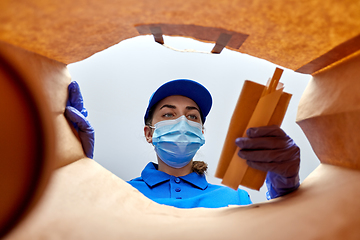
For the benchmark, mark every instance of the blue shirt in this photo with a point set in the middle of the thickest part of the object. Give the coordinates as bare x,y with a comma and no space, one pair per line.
188,191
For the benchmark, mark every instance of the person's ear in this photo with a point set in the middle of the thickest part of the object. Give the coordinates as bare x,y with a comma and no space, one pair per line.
148,132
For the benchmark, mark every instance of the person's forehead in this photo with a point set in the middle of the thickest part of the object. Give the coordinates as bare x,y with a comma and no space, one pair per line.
177,100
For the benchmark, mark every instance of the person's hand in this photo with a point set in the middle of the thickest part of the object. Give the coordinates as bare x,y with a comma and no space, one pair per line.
271,150
77,113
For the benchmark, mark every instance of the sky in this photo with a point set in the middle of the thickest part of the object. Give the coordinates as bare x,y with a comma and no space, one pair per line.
117,83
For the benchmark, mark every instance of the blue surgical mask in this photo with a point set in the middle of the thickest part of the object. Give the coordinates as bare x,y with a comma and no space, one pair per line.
177,141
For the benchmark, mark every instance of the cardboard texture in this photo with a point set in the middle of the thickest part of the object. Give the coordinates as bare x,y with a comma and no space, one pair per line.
98,205
51,80
329,114
85,201
297,35
33,94
26,139
257,106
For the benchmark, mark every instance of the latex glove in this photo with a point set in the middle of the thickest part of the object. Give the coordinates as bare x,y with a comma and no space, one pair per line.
271,150
77,113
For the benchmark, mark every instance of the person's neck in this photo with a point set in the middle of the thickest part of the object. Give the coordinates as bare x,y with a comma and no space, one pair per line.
177,172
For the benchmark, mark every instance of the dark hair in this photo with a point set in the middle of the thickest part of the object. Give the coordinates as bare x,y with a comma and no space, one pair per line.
199,167
149,119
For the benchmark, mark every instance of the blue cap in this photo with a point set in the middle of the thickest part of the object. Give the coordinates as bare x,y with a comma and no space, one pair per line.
184,87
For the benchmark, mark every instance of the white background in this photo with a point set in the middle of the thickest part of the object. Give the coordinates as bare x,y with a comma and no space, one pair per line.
116,85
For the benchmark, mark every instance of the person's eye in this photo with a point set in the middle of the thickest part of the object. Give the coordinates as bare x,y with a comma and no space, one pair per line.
168,115
192,117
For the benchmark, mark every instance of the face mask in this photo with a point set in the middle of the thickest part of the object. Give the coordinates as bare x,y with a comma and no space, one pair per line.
177,141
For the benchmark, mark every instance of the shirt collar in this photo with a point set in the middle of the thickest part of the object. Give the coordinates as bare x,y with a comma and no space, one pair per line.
152,177
196,180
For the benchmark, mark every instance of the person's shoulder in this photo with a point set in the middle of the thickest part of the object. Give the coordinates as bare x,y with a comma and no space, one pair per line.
244,196
137,182
240,194
149,167
225,188
220,187
138,179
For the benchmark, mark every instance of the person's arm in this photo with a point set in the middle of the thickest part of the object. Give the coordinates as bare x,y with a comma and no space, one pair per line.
271,150
76,113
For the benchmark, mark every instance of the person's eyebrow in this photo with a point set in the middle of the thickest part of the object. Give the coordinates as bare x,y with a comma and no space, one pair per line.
168,106
192,108
174,107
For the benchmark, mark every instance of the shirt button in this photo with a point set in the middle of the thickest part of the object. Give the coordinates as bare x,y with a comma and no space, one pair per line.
177,189
177,180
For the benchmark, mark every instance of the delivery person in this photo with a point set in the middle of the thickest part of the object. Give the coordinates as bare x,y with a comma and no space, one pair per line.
174,121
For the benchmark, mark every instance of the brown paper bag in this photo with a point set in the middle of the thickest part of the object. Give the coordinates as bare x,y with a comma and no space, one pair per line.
252,110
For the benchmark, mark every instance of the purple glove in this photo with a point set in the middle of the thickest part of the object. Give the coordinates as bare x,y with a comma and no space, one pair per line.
269,149
77,113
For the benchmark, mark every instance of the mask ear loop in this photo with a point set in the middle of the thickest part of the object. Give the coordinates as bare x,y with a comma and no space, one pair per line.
151,127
